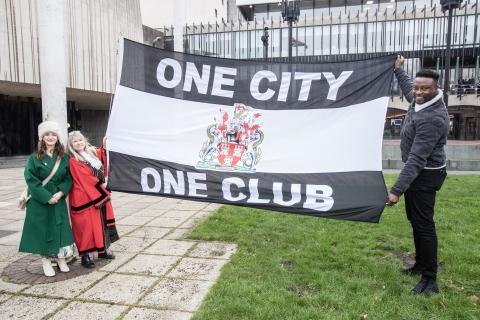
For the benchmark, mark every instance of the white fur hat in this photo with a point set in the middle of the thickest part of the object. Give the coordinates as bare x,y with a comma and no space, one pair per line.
48,126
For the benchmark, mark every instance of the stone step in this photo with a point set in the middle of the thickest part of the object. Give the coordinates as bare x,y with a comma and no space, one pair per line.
13,162
461,157
454,152
453,165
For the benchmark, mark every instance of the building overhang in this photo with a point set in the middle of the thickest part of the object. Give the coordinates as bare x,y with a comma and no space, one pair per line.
84,99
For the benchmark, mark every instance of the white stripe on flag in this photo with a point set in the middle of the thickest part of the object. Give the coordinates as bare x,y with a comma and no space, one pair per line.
295,141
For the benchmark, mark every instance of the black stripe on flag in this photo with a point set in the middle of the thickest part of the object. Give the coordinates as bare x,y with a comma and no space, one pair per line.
357,196
261,85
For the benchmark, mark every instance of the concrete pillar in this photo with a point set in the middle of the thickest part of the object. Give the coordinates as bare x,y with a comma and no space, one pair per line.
179,25
53,69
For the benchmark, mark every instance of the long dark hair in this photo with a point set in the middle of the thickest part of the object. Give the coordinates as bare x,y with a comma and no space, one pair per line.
42,149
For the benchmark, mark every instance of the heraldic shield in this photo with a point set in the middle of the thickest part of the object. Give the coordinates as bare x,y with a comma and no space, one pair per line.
230,153
233,141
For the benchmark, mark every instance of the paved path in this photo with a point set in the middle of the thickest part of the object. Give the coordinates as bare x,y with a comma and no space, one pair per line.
158,273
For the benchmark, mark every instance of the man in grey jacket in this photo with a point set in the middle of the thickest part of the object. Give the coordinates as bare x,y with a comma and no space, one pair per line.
423,137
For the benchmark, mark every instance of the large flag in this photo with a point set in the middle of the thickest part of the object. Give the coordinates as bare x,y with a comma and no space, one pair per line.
299,138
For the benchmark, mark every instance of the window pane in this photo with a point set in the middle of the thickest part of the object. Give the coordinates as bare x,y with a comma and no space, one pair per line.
309,41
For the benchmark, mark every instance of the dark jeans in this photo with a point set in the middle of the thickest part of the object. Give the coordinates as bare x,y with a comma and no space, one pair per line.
419,204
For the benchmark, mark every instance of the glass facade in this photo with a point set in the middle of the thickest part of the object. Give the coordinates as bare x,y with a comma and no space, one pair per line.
339,30
354,30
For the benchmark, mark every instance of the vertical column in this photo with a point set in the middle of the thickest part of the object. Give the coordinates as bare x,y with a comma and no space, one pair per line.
53,70
179,24
477,72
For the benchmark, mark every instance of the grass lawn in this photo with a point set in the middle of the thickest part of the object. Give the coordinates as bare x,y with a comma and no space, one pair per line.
298,267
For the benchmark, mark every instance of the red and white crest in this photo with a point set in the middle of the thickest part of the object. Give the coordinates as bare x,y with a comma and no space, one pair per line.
233,141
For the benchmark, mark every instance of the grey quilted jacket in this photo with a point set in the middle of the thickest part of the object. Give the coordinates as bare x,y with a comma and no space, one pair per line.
423,136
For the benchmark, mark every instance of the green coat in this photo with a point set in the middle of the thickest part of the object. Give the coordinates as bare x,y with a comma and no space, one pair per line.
47,227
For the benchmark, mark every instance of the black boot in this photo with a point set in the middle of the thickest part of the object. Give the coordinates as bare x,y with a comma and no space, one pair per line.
426,286
87,261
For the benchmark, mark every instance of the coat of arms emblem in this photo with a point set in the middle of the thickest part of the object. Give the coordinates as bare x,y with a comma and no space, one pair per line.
233,141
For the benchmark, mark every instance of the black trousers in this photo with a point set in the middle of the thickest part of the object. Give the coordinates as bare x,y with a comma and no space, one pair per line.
420,204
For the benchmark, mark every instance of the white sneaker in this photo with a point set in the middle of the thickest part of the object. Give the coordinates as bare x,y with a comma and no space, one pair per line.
62,265
47,268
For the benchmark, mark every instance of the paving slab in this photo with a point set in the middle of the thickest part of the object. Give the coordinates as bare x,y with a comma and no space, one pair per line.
12,239
120,259
150,212
216,250
166,222
178,214
68,288
90,311
151,314
191,205
160,206
10,253
134,220
4,296
198,269
4,204
11,287
149,265
118,201
4,221
134,205
131,244
177,294
190,223
212,207
13,226
12,215
27,308
203,214
166,203
170,247
119,288
124,212
150,199
177,234
124,229
8,216
150,232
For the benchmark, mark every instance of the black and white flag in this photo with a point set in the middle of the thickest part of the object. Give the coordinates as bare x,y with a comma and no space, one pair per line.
300,138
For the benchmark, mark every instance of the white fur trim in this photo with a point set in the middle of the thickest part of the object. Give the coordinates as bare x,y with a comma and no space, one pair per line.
48,126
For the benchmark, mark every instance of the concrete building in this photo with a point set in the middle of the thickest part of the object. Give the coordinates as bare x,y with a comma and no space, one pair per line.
93,32
160,14
171,17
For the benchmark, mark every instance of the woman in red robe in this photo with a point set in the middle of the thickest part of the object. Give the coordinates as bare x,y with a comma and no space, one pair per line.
91,211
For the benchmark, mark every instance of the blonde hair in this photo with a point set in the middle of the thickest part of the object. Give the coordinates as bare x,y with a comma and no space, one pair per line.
88,147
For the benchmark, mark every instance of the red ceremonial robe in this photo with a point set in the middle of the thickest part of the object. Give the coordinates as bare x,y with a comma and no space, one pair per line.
86,198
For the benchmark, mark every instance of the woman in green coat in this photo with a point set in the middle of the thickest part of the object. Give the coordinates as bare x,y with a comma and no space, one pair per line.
47,230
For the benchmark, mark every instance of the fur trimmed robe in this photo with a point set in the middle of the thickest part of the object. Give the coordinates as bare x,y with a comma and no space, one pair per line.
91,211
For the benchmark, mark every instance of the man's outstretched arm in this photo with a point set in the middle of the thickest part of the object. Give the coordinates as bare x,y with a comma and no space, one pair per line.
404,80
